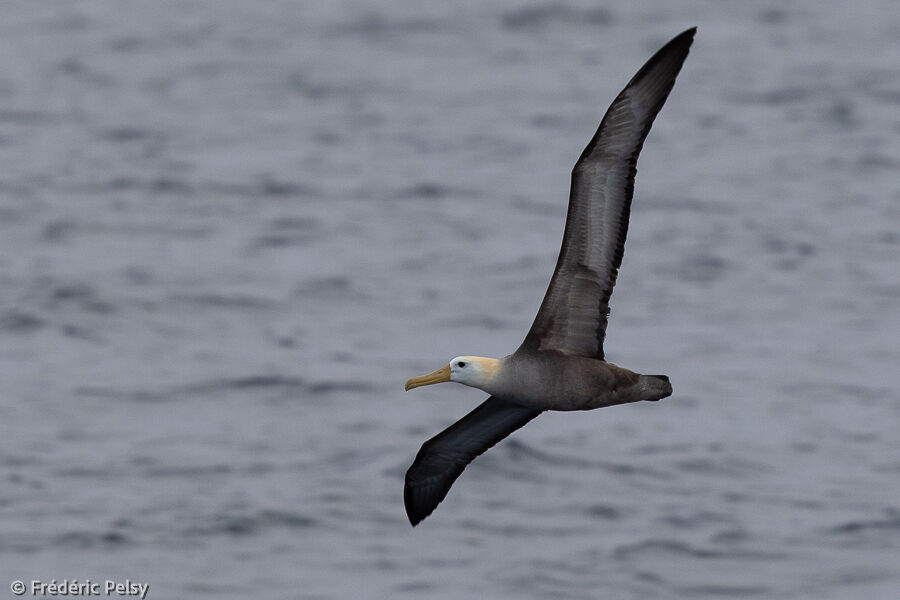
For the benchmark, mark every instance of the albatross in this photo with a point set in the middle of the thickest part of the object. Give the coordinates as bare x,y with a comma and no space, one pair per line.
561,365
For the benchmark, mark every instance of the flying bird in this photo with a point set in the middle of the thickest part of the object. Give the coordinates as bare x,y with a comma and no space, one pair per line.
560,365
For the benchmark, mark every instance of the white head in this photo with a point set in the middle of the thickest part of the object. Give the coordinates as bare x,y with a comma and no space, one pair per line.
474,371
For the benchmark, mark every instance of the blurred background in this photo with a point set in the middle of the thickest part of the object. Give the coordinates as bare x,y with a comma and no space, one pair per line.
230,231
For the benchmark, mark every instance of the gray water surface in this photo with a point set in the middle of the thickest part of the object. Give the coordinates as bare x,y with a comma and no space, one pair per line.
230,231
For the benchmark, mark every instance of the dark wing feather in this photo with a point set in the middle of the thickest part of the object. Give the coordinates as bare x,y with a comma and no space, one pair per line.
443,458
572,318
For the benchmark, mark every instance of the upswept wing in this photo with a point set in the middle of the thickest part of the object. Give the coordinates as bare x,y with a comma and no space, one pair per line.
573,316
443,458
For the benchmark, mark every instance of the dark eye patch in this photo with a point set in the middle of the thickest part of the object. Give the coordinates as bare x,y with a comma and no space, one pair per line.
460,364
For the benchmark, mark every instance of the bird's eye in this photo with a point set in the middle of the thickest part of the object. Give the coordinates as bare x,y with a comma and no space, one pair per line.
460,364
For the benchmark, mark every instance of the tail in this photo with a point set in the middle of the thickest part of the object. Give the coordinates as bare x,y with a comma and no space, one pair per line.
655,387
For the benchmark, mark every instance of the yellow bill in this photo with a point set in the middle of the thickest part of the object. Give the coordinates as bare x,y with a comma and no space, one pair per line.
439,376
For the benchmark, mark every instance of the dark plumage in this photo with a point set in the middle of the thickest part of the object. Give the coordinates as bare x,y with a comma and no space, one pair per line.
560,365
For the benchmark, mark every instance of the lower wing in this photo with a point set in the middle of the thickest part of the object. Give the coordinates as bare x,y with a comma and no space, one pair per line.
444,457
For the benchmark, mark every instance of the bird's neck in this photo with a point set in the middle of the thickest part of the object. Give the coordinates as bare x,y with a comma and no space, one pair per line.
488,372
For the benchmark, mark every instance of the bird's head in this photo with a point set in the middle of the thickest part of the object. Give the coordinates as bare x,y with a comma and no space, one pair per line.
474,371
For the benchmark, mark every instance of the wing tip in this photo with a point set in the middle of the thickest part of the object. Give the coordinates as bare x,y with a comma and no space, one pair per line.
416,511
682,42
415,519
686,36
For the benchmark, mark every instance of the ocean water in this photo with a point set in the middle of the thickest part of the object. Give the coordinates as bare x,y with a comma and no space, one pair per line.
230,231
